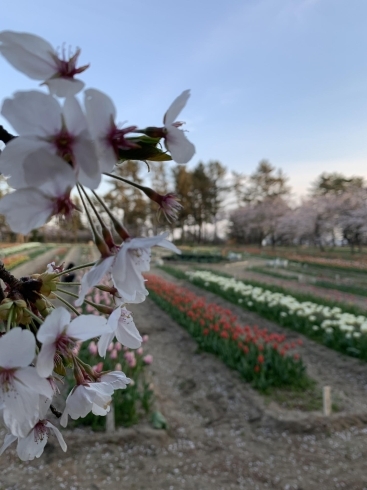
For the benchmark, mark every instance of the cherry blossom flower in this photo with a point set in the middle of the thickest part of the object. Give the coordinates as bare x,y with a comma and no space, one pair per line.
94,276
169,206
123,327
58,334
181,149
101,115
20,384
126,267
29,208
36,58
32,445
43,124
93,397
132,259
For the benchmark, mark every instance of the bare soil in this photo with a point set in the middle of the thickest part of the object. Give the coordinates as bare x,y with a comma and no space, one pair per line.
221,434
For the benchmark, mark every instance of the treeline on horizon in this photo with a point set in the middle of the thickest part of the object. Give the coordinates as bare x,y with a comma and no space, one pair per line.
223,206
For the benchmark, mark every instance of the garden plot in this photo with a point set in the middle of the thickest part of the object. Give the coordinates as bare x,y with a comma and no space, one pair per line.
346,376
214,440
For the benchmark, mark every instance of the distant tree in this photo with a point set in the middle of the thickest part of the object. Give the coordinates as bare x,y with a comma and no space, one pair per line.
182,182
216,174
335,183
266,182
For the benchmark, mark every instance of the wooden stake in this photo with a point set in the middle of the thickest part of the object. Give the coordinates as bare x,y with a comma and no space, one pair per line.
110,420
327,401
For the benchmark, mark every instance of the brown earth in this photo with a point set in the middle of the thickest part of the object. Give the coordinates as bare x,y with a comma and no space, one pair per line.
219,436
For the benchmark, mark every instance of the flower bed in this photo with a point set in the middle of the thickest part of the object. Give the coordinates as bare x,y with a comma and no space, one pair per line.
134,402
262,358
15,260
5,252
331,326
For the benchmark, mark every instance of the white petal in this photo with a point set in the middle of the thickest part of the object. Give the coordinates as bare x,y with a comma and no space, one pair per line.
89,173
13,157
117,379
176,107
28,53
181,149
45,360
21,409
31,446
17,348
53,326
58,435
85,327
33,113
64,87
29,377
127,278
93,277
74,117
9,439
104,342
49,173
100,112
26,209
127,333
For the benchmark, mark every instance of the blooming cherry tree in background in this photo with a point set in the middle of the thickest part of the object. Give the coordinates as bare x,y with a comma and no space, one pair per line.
63,146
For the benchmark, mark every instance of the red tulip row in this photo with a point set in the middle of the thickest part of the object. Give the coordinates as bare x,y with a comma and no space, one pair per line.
263,358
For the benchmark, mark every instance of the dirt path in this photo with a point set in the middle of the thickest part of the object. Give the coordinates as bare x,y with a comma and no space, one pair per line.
240,272
214,441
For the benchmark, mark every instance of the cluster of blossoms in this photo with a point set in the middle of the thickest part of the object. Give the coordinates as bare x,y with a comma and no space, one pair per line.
64,145
340,327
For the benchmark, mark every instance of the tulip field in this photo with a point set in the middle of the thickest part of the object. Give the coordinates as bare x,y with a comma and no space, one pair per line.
330,325
264,359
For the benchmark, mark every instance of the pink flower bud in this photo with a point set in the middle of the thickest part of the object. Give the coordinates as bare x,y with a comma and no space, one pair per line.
145,338
111,347
118,346
148,359
98,367
139,351
114,354
93,349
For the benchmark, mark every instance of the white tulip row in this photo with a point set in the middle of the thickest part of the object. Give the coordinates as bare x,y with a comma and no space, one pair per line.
327,318
18,248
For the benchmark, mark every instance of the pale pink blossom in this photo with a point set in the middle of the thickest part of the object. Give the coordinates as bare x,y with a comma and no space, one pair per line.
145,338
43,124
20,384
32,445
118,346
132,259
140,351
37,59
93,277
181,149
93,397
59,334
29,208
122,326
126,269
101,114
130,359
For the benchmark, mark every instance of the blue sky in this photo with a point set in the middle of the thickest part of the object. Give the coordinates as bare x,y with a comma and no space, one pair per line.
279,79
